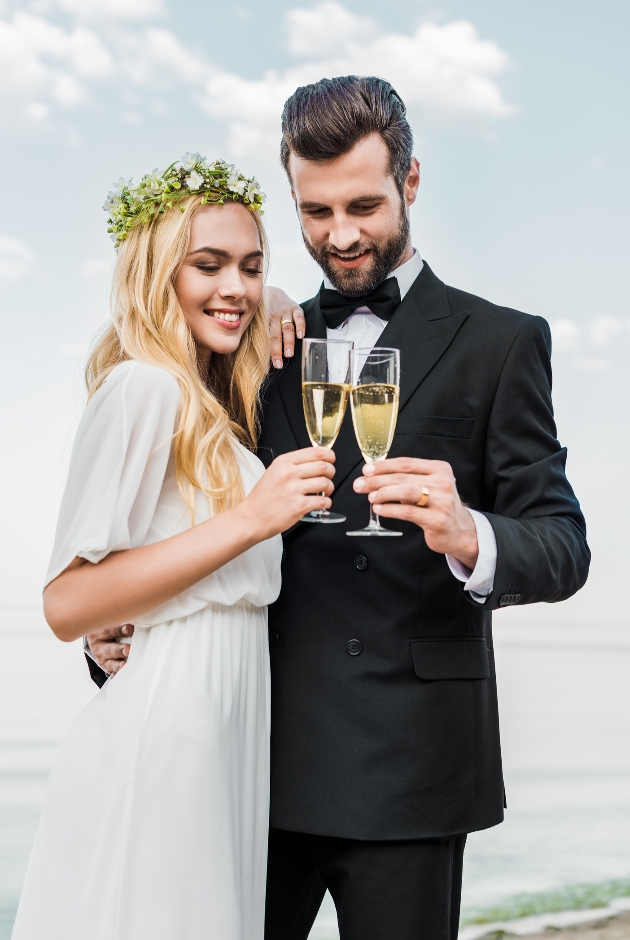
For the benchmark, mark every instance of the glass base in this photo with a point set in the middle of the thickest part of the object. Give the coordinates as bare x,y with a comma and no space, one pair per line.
374,528
322,515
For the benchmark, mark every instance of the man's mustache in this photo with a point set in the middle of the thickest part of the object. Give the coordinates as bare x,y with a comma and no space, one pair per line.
354,249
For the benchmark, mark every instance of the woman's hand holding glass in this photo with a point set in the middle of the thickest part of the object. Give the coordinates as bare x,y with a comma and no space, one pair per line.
325,373
295,483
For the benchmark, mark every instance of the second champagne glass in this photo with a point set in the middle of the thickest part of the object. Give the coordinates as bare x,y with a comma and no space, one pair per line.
325,372
374,397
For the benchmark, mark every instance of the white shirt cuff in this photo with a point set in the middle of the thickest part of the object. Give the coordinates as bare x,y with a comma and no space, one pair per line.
478,583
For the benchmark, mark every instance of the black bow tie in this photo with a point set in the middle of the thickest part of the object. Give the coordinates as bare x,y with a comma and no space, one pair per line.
383,301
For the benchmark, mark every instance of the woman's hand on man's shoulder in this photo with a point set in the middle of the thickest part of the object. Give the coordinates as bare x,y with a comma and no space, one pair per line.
286,322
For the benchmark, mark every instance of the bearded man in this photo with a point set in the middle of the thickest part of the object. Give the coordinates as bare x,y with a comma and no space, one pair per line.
385,733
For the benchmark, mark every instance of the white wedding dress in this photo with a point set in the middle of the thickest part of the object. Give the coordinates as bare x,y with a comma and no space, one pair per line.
155,821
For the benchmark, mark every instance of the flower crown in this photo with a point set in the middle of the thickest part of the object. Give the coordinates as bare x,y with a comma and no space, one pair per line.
129,205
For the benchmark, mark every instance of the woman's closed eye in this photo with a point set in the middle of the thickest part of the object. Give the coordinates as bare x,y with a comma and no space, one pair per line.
208,268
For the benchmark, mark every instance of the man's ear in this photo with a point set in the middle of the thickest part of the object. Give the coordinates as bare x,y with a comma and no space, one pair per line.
412,182
293,194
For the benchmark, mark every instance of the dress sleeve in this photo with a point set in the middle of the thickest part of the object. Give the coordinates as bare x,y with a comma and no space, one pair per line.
119,460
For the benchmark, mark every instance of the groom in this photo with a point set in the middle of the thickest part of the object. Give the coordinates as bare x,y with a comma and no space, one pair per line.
385,734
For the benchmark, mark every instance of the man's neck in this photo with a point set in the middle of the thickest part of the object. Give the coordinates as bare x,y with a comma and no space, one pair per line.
407,255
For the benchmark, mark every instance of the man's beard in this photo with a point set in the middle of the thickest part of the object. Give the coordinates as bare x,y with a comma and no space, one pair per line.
357,282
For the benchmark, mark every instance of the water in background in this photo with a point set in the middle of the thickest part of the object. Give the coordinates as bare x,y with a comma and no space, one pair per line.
565,716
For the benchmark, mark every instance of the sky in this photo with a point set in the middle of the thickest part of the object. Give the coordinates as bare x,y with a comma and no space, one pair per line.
519,112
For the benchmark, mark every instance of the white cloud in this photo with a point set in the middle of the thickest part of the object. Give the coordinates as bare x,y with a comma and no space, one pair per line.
42,64
604,329
15,259
326,30
565,334
156,57
113,9
575,344
446,69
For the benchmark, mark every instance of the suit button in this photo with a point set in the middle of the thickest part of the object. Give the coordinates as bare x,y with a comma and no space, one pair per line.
504,600
274,639
360,562
354,647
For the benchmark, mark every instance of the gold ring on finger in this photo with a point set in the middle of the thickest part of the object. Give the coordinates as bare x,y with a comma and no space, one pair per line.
286,320
424,499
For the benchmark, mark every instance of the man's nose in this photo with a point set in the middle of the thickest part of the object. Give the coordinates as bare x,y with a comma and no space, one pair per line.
344,233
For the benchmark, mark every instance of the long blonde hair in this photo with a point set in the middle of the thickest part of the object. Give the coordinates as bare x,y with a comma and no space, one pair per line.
148,325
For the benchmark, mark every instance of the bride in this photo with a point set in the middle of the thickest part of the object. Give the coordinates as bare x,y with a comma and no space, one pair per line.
156,814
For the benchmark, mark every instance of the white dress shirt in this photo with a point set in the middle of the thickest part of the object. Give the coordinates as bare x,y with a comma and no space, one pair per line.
363,328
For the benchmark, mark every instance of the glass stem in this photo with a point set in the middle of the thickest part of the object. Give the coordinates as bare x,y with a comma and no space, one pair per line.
375,522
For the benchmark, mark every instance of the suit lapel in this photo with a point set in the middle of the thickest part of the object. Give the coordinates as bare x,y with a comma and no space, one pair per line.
422,328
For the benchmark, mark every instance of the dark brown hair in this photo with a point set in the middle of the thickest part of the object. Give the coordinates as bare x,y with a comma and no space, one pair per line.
328,118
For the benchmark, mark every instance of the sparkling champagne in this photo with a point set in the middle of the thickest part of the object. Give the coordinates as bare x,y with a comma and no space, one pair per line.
374,413
324,408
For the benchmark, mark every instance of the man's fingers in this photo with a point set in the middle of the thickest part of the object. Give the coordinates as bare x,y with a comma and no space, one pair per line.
110,633
402,493
110,650
406,465
402,511
103,636
112,666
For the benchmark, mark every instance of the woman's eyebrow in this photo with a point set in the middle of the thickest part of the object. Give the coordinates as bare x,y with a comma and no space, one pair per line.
222,253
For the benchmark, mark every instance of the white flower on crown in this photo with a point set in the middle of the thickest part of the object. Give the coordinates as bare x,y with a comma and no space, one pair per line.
194,181
253,190
190,160
236,185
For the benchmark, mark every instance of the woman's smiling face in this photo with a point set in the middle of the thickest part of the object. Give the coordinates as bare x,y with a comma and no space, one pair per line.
219,284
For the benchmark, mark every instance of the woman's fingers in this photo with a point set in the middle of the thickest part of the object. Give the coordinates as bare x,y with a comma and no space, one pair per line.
286,319
288,337
309,453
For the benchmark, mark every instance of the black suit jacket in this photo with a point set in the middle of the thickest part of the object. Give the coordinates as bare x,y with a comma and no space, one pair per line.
397,737
400,740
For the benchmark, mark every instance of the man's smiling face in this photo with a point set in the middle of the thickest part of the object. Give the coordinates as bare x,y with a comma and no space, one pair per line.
354,222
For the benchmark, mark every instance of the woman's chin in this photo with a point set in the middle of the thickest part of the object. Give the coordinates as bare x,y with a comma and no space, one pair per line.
218,339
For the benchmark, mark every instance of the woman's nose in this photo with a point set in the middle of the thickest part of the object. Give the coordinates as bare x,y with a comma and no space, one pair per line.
232,285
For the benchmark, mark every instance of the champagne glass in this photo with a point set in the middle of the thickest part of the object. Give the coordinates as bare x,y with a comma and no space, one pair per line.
374,397
325,373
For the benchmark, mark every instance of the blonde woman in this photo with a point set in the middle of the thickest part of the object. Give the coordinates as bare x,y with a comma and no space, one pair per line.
155,820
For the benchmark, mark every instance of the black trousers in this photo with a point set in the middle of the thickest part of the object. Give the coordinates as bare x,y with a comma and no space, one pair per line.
382,890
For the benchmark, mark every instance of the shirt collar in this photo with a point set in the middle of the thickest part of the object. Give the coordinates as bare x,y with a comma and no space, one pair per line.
405,273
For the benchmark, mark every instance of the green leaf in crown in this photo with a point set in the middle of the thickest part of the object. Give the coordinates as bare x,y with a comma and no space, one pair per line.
129,205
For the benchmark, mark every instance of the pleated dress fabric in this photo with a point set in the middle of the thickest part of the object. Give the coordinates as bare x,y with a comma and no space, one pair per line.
156,815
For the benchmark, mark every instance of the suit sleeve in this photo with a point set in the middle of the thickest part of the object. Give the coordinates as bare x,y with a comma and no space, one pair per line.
542,553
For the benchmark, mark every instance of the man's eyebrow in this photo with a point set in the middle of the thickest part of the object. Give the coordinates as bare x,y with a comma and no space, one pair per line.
368,197
224,254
